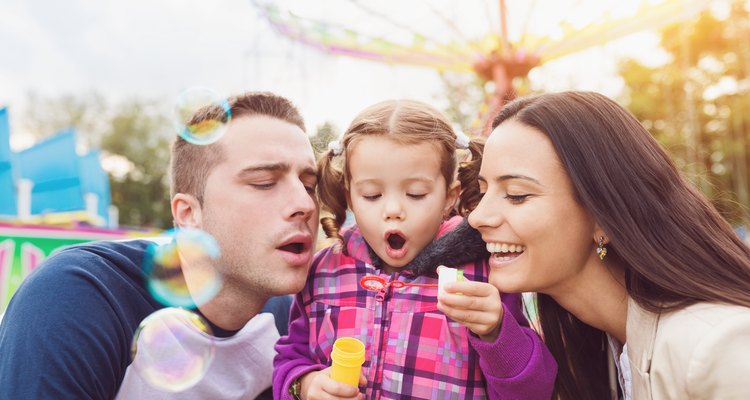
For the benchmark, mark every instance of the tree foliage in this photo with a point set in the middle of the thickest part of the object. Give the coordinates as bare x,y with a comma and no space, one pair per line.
696,104
324,135
134,132
141,134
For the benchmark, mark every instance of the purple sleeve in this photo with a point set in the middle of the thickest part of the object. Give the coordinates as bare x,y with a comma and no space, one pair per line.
517,365
293,352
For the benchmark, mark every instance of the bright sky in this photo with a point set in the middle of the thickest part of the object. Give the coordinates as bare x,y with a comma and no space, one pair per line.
158,48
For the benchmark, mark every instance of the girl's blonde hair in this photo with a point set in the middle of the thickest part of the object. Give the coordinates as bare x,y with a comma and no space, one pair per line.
403,121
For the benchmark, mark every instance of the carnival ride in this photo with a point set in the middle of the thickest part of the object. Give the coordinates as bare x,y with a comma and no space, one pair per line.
50,197
492,52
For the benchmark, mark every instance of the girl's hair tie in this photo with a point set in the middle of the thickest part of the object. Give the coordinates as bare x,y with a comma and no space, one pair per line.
336,147
462,141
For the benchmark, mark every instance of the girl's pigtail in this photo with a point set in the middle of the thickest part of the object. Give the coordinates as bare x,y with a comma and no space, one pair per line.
332,195
468,174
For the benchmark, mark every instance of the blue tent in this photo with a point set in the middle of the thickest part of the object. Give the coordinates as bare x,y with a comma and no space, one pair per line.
60,177
7,190
95,180
52,165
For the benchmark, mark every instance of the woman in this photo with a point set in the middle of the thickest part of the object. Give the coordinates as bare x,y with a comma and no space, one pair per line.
581,205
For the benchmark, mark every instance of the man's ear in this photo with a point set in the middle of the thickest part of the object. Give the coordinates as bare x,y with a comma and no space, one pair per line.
451,197
186,211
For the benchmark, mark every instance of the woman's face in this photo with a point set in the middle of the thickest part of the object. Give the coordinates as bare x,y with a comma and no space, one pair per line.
539,236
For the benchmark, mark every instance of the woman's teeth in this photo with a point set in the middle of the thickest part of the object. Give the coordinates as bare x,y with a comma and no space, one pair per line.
505,248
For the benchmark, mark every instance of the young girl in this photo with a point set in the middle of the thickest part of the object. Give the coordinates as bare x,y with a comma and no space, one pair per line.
397,171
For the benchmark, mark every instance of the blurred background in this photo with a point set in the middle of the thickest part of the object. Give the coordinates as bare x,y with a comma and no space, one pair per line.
88,87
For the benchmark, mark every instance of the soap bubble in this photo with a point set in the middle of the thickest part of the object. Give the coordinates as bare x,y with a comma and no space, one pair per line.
172,349
201,116
181,272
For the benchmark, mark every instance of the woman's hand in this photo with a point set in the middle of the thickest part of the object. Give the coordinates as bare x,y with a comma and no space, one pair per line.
476,305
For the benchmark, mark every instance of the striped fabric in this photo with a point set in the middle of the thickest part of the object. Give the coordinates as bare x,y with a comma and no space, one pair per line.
413,351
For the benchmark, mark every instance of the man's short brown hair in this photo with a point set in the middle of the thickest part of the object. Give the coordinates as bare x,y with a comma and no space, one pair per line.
191,164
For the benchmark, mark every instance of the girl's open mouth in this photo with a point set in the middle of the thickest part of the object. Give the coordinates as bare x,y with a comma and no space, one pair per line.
396,246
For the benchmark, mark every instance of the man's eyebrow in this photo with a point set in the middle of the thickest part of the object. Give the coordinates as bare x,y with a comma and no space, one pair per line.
271,167
277,168
503,178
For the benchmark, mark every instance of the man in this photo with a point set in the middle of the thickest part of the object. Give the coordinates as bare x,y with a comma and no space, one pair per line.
68,330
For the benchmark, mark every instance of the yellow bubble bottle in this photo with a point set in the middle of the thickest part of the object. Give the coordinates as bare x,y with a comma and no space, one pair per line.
347,357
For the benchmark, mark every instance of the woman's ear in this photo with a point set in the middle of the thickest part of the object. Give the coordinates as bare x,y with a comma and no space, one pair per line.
599,234
186,211
451,197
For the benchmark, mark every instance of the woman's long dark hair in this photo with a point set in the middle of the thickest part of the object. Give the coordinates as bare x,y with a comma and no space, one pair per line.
675,247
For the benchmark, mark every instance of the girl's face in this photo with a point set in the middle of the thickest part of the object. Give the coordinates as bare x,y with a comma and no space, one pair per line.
398,195
539,236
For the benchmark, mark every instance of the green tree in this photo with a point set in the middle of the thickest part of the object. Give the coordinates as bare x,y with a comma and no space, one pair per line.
466,96
323,135
46,116
136,132
141,134
695,104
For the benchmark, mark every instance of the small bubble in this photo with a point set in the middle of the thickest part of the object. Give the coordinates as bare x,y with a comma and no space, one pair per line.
201,116
172,349
181,272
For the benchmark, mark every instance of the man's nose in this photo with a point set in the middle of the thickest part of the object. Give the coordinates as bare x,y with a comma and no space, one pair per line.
301,203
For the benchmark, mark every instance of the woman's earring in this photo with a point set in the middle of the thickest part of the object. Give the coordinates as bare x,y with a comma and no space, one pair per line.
601,250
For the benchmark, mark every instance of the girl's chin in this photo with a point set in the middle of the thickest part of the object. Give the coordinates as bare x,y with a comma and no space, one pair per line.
394,265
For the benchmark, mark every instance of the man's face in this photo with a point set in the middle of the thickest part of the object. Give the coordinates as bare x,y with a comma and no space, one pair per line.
259,204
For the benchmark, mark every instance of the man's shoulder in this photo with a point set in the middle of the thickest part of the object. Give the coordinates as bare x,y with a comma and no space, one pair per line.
72,321
109,248
123,254
107,267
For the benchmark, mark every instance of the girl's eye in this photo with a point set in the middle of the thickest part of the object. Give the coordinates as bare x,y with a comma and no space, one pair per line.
516,199
416,196
371,197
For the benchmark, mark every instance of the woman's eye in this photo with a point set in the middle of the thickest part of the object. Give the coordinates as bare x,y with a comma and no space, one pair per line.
416,196
371,197
516,199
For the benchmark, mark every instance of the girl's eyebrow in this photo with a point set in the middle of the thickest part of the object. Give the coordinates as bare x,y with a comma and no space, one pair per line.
409,180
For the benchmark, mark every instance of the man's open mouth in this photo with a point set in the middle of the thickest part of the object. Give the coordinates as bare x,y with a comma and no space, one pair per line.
295,247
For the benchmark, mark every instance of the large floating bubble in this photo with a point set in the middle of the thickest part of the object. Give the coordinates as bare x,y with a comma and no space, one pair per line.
201,115
172,349
182,272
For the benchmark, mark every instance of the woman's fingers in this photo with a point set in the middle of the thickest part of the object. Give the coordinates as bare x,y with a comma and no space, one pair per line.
478,307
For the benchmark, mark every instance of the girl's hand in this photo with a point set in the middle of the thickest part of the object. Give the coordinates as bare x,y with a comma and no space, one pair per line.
318,385
478,307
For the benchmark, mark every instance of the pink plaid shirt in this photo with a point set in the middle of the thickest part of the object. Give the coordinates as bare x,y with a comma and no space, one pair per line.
412,350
